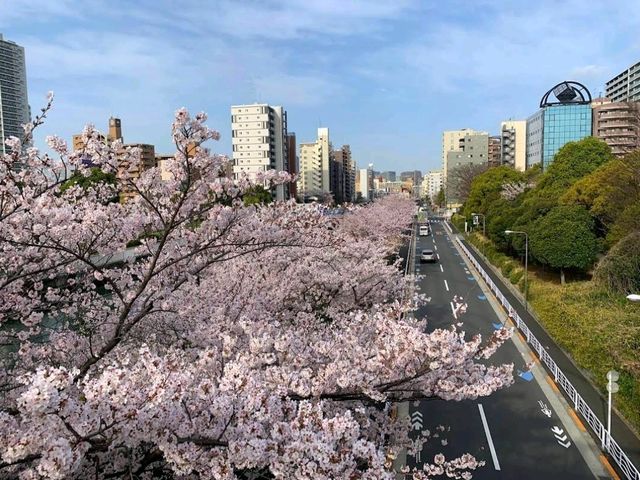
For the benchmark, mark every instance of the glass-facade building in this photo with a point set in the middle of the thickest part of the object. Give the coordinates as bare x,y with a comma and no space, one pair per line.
563,124
552,127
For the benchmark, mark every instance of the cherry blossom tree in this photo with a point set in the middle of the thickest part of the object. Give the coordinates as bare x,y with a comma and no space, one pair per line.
233,340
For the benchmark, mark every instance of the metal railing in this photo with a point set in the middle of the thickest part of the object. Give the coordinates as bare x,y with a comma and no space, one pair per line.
608,443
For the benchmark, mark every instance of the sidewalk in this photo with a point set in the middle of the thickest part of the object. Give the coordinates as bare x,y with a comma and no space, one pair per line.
620,431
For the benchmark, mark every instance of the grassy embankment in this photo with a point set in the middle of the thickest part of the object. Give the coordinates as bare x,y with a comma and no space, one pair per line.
600,330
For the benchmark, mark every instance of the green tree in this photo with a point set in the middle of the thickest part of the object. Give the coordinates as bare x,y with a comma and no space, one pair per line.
96,175
619,271
573,161
440,198
564,239
257,195
487,187
607,193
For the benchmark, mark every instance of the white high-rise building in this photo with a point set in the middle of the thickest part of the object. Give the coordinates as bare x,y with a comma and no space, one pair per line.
432,183
366,185
14,103
513,135
259,134
315,166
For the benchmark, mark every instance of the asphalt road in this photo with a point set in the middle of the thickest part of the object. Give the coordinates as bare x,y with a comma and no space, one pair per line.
521,432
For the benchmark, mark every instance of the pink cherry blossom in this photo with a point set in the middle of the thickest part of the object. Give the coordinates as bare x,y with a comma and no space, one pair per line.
185,334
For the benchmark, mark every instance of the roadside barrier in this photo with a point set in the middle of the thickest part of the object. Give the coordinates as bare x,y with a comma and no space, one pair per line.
608,443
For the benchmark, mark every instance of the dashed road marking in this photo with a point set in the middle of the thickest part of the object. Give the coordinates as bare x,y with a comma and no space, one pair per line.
441,269
494,456
446,285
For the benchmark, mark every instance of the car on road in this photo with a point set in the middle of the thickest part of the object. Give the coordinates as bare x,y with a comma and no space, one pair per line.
424,230
428,256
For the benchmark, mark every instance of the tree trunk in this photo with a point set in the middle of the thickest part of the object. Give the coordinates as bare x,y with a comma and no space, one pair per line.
562,276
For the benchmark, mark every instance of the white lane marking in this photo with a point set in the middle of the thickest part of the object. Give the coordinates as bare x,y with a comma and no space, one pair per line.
494,456
441,268
453,310
435,247
446,285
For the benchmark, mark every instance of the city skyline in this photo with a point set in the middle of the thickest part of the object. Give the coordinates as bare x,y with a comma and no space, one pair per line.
386,78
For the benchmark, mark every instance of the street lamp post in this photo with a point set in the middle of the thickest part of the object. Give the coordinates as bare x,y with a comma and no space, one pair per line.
612,387
526,264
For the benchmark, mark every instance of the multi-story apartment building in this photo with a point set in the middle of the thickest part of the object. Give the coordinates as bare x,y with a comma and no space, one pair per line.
558,122
315,166
513,138
127,172
14,103
625,87
342,175
432,183
414,175
494,153
618,124
259,141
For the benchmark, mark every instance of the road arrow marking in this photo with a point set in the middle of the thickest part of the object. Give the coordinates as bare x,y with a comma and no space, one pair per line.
561,438
416,421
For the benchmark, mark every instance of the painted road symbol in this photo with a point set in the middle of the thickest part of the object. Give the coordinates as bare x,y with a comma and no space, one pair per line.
544,408
527,376
416,420
561,437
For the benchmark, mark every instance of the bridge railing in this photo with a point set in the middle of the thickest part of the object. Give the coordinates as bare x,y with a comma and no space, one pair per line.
607,441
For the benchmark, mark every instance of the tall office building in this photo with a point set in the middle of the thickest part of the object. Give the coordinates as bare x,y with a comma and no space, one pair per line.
618,124
558,122
513,152
388,176
315,166
259,141
451,143
14,103
292,162
625,87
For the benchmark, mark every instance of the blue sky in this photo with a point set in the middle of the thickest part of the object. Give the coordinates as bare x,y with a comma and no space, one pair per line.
386,77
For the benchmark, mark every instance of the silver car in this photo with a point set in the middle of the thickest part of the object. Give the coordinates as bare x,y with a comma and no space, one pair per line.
428,256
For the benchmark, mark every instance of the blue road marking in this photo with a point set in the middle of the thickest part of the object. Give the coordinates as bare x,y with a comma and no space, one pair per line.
461,263
527,376
497,326
470,278
481,297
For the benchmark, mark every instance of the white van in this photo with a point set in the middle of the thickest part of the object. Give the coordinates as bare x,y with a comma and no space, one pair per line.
424,230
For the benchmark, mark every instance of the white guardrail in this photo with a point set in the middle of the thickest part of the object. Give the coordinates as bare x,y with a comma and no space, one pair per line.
607,441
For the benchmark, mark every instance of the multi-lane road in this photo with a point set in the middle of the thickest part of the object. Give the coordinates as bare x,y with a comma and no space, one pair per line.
522,432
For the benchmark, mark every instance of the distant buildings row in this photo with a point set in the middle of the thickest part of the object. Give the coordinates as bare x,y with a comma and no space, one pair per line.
567,113
261,141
